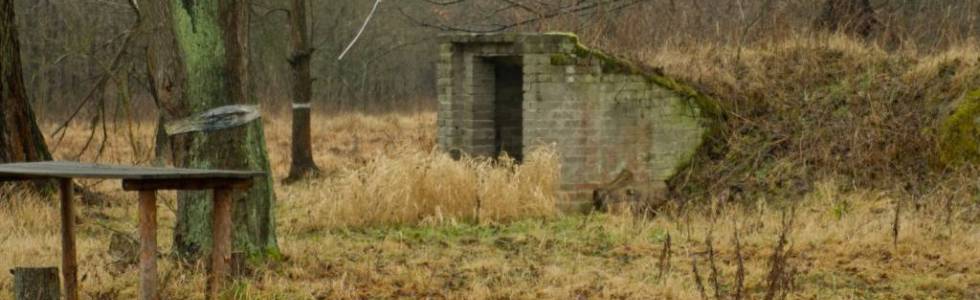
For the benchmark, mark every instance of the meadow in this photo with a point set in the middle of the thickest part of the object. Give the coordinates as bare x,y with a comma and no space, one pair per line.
393,217
413,235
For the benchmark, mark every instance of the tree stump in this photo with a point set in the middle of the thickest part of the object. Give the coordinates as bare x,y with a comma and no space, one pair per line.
36,283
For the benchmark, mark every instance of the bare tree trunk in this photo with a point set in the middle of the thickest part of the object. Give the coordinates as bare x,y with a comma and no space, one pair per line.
198,58
855,17
299,61
20,138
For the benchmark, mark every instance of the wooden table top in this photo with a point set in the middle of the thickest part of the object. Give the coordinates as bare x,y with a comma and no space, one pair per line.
71,169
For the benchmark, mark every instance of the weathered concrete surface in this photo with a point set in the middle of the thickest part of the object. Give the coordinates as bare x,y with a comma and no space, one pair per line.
603,115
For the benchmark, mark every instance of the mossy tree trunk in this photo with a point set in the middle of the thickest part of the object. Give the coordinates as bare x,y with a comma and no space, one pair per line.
198,58
20,138
299,61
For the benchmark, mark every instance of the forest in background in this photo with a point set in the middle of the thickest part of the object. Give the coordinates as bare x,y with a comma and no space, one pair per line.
75,50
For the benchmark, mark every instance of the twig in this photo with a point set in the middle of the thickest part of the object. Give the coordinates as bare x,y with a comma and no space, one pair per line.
100,84
570,9
359,32
697,277
779,277
895,223
694,261
740,260
664,263
127,37
709,240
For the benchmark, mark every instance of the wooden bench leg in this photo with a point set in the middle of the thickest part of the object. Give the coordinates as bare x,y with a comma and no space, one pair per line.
148,245
69,262
221,241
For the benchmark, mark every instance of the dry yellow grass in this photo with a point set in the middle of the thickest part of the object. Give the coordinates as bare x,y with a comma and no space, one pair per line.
392,219
419,187
386,170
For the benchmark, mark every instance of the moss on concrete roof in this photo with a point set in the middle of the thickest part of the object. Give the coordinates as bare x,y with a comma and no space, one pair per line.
959,133
709,107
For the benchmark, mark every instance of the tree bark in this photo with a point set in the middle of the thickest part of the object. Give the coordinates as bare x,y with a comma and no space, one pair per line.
20,138
198,58
36,284
854,17
299,61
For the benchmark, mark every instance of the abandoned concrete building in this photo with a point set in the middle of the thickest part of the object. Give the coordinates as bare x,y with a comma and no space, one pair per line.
509,92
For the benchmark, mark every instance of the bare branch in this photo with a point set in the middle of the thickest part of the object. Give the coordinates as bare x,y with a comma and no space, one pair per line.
581,7
444,3
361,31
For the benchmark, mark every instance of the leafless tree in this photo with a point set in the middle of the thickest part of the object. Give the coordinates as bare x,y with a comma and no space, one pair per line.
302,163
20,138
485,16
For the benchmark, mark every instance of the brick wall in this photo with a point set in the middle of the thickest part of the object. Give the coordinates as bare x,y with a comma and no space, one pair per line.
601,123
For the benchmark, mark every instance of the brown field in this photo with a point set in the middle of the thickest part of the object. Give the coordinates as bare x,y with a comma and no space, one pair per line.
413,235
826,178
393,218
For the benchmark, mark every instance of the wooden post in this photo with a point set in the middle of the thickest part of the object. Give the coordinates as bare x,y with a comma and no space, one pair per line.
148,245
221,241
36,284
69,263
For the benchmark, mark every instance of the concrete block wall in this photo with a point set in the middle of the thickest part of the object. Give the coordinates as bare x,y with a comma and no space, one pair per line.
601,122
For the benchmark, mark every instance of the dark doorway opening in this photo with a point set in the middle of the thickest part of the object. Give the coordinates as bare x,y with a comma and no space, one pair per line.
508,106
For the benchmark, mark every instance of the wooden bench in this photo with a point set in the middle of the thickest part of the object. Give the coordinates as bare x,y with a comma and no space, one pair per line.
147,181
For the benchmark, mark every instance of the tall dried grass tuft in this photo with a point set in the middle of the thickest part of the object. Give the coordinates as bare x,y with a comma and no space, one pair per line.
412,187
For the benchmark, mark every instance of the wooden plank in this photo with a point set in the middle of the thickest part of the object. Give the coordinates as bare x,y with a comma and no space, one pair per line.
221,241
68,169
185,184
148,245
69,262
12,178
